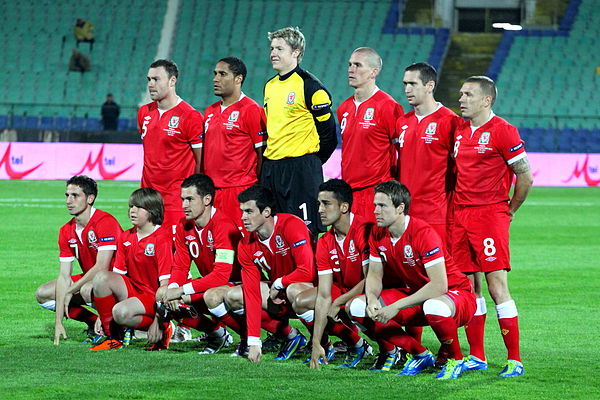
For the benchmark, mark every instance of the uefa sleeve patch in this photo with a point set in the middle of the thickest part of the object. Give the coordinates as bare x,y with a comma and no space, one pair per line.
299,243
224,256
517,147
320,99
107,239
432,252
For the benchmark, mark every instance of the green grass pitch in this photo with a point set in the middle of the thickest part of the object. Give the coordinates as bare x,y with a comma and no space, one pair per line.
555,243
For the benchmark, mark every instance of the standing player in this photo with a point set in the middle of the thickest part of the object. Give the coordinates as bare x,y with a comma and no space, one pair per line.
488,150
209,237
435,293
277,264
425,138
342,260
301,130
171,132
234,135
125,296
91,238
367,120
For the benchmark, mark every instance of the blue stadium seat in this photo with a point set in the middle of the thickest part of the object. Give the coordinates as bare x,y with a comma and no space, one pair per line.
3,121
61,123
32,122
78,124
47,123
122,124
18,122
93,124
133,124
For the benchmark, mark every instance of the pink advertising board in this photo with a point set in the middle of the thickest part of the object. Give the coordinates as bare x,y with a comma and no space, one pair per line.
47,161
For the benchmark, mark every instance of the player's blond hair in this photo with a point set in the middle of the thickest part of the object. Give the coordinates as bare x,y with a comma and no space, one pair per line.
293,37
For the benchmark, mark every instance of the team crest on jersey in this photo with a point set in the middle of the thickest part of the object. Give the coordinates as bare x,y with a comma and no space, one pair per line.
484,138
92,237
149,251
291,98
234,116
210,237
351,247
369,113
408,251
279,241
431,128
174,122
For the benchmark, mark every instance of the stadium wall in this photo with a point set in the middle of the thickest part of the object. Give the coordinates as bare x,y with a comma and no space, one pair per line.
49,161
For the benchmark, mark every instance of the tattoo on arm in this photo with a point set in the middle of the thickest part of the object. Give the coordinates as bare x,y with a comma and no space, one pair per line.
521,166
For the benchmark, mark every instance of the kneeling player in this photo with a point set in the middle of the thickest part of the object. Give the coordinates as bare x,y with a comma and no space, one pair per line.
278,249
436,293
91,238
209,237
125,296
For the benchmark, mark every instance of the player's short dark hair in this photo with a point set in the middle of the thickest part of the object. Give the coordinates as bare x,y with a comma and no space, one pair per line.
168,65
426,72
487,85
342,192
87,185
397,192
236,66
203,184
150,200
262,195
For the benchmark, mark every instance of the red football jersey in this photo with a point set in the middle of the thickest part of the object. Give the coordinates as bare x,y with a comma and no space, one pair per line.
345,262
425,161
231,136
418,248
168,140
213,251
482,161
288,254
368,155
146,261
100,233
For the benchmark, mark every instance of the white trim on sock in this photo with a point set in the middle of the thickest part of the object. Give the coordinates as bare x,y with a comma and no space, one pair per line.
507,309
481,306
49,305
308,316
358,308
219,310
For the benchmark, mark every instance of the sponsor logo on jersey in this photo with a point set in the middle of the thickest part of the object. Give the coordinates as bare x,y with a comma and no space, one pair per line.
72,240
382,248
92,237
490,259
369,113
431,128
291,97
299,243
174,122
149,251
334,251
190,237
517,147
126,243
279,241
234,116
432,252
258,254
107,239
408,251
484,138
147,118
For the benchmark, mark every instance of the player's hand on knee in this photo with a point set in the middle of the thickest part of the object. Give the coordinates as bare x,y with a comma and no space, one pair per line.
160,294
254,353
372,310
59,330
385,314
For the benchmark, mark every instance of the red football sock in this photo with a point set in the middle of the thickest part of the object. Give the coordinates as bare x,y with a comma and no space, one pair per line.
201,323
509,327
393,333
475,331
279,327
348,334
415,331
231,322
104,305
145,323
79,313
385,346
447,333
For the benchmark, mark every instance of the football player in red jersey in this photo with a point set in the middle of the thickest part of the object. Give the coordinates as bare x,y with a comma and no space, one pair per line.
488,153
171,132
125,296
433,292
367,121
90,237
234,136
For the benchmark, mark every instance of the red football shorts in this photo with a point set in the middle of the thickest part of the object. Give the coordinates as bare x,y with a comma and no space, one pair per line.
479,239
226,201
148,299
362,203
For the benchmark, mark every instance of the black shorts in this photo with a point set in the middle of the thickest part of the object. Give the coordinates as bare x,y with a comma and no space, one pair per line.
295,182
